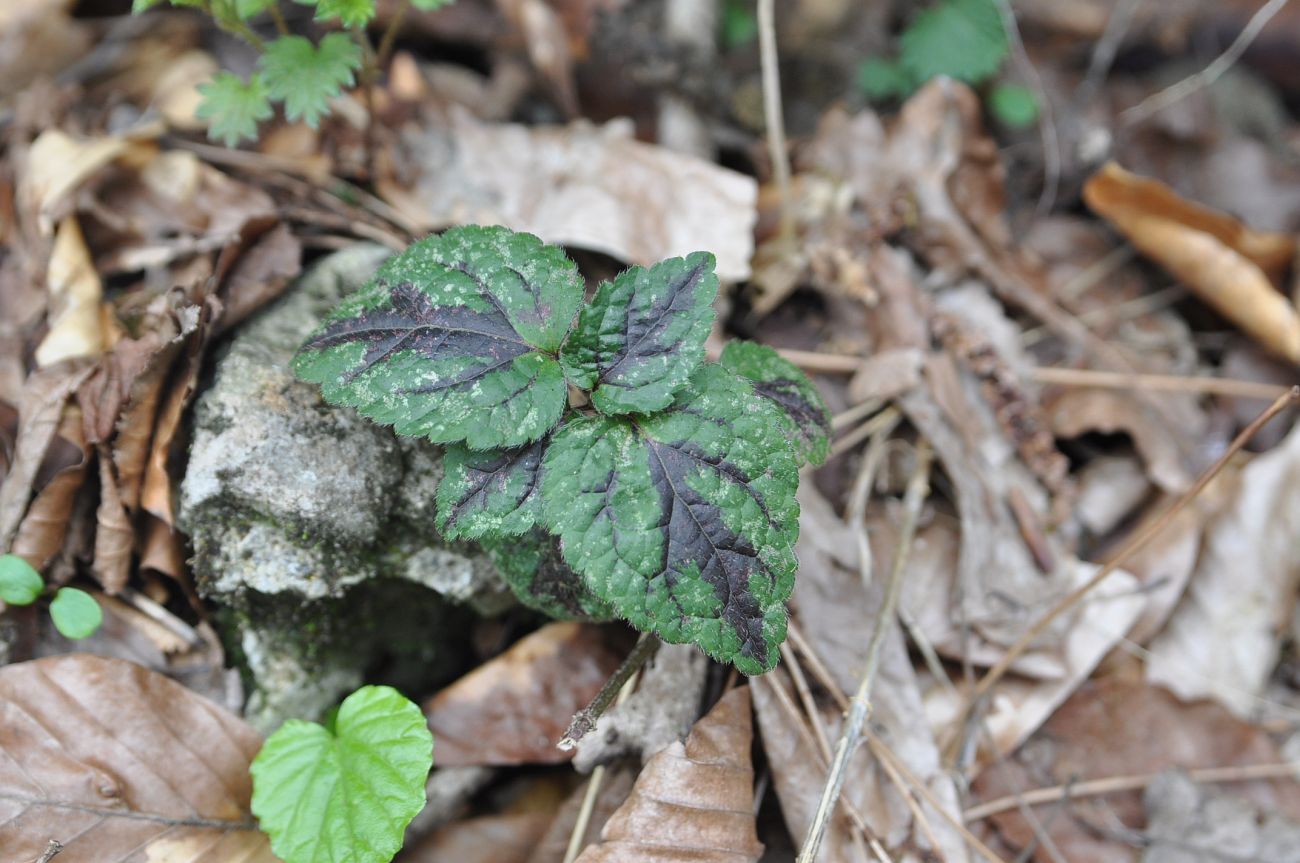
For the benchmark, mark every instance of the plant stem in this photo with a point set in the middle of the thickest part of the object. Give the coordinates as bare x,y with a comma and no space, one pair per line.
281,25
593,789
772,113
918,488
585,719
369,74
233,25
389,38
51,851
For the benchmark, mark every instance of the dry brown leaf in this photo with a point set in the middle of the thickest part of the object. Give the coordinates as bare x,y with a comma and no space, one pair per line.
76,294
41,534
548,46
114,535
693,801
44,395
38,38
486,839
1116,728
58,164
514,708
594,187
1229,266
119,763
614,789
259,273
1187,822
1223,640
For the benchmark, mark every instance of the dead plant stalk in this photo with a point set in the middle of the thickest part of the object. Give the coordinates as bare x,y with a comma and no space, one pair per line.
918,488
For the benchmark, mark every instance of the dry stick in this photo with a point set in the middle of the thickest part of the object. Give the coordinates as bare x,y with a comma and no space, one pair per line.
1207,76
51,851
1136,542
857,413
918,487
856,516
585,719
389,38
886,417
593,789
1167,383
1134,782
772,113
1103,53
913,806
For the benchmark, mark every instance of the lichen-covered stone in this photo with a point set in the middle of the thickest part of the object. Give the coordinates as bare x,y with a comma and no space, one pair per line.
314,528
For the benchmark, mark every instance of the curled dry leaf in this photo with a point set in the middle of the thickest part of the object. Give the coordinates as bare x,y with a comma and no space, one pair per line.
693,801
514,708
594,187
43,528
114,534
1229,266
614,789
58,164
119,763
75,300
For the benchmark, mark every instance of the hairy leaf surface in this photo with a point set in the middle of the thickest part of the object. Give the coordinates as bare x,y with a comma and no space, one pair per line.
540,579
346,792
684,520
643,334
490,492
454,339
807,420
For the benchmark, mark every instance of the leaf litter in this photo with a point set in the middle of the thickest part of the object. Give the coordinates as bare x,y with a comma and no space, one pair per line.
1075,365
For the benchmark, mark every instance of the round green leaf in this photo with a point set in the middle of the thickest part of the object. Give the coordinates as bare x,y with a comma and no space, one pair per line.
1014,106
345,793
75,613
20,584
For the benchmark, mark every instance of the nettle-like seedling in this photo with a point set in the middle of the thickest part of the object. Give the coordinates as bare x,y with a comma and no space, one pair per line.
670,481
345,790
74,613
292,70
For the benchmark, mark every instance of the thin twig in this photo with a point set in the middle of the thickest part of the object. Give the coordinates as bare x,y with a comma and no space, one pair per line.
593,789
51,851
585,719
856,414
856,516
918,488
1134,782
1103,53
1131,547
1047,131
389,39
886,417
1165,383
1177,92
773,115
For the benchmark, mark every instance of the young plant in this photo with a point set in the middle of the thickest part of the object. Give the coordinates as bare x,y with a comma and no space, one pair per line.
74,612
963,39
292,70
344,790
670,481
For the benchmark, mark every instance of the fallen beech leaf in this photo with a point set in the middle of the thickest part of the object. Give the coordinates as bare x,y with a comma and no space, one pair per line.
119,763
693,801
514,708
76,327
1226,264
41,534
1117,728
44,395
594,187
258,274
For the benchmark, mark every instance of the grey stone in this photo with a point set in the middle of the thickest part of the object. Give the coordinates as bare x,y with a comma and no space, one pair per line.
312,527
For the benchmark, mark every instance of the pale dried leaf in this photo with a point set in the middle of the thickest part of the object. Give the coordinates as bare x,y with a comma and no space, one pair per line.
693,801
485,839
75,297
614,789
1223,639
514,708
36,39
1188,823
58,164
1229,266
119,763
594,187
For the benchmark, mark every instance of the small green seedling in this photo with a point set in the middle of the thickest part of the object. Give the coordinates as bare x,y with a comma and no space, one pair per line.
963,39
670,481
74,612
344,790
292,70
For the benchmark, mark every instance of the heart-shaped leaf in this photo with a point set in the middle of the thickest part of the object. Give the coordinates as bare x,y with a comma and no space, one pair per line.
346,792
685,520
454,339
643,334
493,492
75,613
807,419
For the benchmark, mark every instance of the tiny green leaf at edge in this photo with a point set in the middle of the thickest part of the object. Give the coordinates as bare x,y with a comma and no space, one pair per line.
75,613
20,583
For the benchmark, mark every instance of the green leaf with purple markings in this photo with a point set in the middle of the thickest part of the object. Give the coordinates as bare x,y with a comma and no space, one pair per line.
685,520
454,340
531,564
643,334
806,419
490,492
